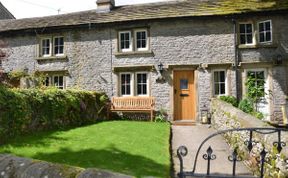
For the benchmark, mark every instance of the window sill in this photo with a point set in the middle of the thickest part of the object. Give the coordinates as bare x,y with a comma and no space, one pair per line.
149,52
64,57
268,45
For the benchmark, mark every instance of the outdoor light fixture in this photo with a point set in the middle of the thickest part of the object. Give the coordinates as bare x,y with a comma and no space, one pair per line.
160,68
279,60
205,115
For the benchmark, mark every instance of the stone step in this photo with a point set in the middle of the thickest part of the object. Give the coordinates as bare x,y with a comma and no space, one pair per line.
184,123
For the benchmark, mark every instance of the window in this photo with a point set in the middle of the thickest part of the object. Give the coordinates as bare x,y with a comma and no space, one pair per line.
219,83
246,33
59,46
142,84
46,49
184,84
141,40
55,80
125,41
52,46
133,40
265,31
258,79
134,84
126,80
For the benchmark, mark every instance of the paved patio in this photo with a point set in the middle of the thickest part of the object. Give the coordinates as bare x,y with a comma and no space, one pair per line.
192,137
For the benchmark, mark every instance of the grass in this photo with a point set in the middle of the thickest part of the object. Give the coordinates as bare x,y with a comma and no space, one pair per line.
134,148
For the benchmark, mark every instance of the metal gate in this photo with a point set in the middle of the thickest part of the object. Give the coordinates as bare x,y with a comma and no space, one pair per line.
182,151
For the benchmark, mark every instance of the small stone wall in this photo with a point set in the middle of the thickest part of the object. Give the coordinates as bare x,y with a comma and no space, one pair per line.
16,167
225,116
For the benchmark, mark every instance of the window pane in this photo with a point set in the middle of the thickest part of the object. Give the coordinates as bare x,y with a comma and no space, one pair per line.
261,27
60,80
249,39
128,92
262,37
242,28
222,88
216,89
127,44
216,76
56,80
242,39
123,90
47,83
249,28
268,36
267,26
144,89
122,45
222,76
139,44
184,84
260,75
122,38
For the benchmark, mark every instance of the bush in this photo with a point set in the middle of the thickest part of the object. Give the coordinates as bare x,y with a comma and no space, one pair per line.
26,111
258,115
246,106
230,99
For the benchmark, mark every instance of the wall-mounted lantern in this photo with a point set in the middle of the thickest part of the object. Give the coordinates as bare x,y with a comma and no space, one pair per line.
160,67
205,115
278,60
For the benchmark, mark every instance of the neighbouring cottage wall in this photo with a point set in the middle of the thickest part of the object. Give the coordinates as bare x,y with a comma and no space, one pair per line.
17,167
225,116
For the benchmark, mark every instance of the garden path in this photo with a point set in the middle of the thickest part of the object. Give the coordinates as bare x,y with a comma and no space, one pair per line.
192,137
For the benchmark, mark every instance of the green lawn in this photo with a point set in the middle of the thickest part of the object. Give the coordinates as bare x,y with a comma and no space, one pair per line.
130,147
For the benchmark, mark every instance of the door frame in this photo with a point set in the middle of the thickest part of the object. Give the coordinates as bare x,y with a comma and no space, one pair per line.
193,69
267,86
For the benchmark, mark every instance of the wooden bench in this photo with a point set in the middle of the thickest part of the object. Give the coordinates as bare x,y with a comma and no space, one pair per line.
133,104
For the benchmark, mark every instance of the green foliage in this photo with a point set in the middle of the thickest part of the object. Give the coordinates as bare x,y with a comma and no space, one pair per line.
255,89
230,99
25,111
16,75
98,145
258,115
161,116
246,105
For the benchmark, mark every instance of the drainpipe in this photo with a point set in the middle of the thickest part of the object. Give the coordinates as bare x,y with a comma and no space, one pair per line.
111,60
236,61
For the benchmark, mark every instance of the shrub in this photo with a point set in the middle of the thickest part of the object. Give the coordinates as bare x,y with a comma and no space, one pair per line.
258,115
230,99
25,111
246,105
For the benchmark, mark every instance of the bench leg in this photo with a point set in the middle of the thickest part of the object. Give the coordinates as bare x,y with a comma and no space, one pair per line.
151,119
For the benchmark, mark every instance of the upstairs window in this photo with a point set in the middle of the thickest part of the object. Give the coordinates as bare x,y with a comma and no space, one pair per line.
265,31
59,46
133,40
219,83
125,41
51,46
246,33
141,40
46,47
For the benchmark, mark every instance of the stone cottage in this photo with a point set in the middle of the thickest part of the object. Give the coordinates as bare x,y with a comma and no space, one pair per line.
180,52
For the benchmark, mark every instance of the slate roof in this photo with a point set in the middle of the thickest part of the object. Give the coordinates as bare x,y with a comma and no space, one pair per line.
4,13
180,8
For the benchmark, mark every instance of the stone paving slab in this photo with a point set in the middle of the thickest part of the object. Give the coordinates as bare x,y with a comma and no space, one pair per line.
192,137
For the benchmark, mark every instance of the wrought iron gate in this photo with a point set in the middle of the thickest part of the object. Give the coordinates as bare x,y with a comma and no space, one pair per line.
182,151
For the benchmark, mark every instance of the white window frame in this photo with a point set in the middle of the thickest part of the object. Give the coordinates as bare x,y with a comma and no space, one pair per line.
271,31
147,83
54,52
50,47
135,40
253,35
130,42
225,82
51,81
131,83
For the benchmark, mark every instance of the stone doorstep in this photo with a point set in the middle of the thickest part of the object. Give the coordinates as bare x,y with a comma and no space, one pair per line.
184,123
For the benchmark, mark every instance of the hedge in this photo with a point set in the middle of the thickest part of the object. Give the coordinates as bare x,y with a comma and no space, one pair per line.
28,110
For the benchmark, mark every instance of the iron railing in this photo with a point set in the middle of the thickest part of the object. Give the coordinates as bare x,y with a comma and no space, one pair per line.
182,151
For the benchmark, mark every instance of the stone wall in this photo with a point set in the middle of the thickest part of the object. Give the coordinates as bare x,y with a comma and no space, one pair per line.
17,167
225,116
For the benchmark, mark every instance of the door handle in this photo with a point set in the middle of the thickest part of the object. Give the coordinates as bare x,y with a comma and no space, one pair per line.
175,91
184,95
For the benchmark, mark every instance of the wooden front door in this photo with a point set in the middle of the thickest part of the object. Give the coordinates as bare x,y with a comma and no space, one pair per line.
184,95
